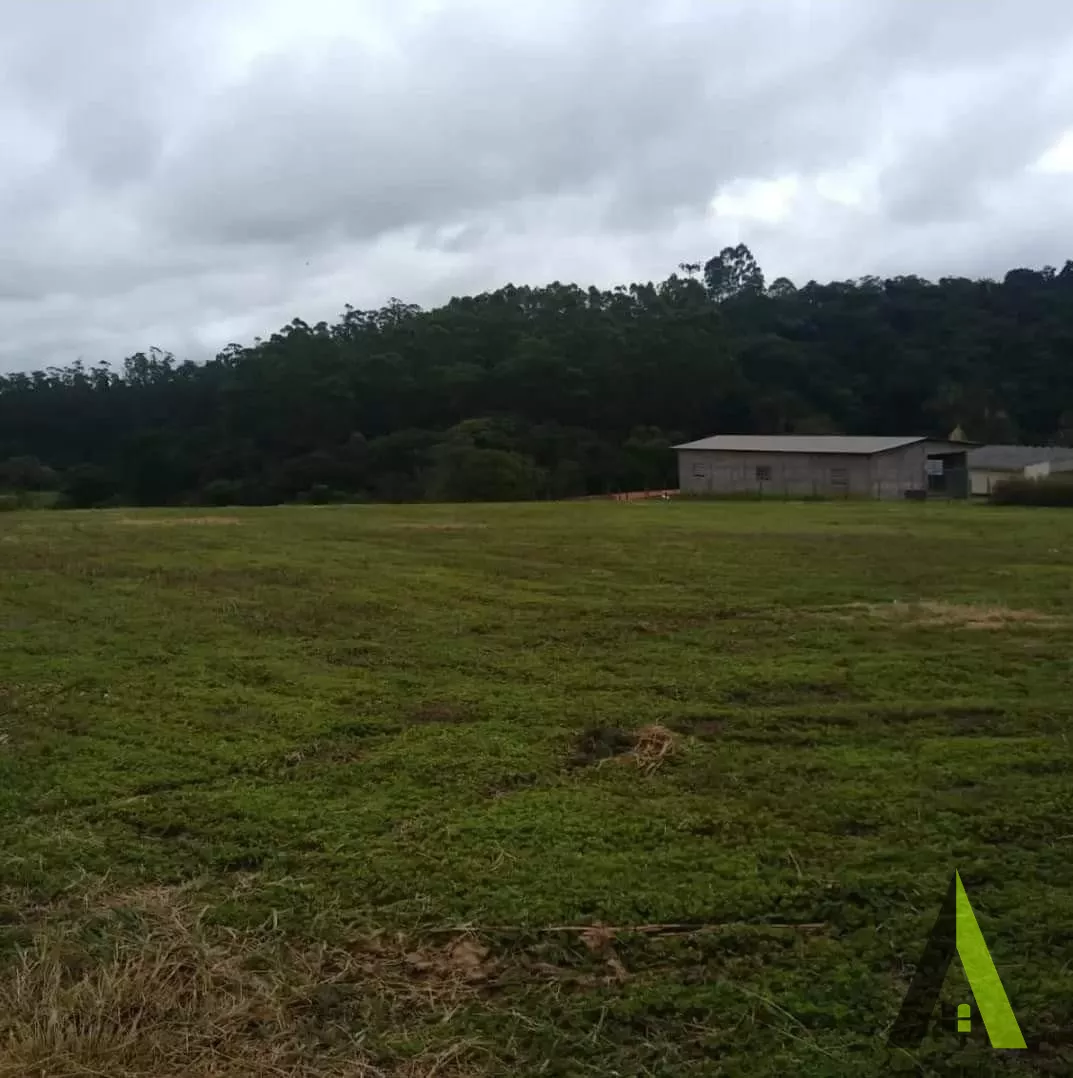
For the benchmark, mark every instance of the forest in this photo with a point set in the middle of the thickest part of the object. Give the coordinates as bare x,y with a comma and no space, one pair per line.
551,392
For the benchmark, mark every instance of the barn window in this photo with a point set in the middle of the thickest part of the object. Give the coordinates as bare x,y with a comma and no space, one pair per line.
763,474
839,477
700,471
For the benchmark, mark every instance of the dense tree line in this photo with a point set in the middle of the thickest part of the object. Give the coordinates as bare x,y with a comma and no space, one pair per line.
548,392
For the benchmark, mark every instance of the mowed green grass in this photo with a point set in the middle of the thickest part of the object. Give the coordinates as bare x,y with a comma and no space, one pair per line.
362,728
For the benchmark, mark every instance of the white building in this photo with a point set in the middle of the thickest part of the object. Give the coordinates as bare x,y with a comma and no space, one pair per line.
991,464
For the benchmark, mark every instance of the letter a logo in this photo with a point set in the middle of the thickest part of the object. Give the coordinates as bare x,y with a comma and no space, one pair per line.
956,931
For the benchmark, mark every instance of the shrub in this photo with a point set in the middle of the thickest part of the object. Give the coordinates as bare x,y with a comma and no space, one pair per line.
27,473
464,473
222,492
1050,490
86,486
321,494
9,503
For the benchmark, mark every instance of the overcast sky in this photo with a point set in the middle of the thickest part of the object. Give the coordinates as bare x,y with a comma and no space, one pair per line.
186,173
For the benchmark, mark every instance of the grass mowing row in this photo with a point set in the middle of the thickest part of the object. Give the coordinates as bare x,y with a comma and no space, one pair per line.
356,790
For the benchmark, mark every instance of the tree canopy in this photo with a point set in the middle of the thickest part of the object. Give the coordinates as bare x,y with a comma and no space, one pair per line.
548,392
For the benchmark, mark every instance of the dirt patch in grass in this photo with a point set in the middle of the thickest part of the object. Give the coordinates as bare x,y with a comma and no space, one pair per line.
705,729
947,615
432,713
509,784
972,723
331,752
167,522
365,729
647,747
600,743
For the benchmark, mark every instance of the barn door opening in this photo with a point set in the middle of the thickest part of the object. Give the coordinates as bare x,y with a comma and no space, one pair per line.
948,474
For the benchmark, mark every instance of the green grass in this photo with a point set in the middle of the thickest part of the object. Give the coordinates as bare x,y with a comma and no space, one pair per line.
356,731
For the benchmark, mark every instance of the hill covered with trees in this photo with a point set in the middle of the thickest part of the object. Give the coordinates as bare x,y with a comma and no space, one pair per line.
548,392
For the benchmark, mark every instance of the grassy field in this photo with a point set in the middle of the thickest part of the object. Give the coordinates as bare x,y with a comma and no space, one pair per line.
586,789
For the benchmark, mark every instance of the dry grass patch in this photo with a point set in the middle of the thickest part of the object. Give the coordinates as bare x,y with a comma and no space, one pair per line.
167,522
167,996
444,527
949,615
138,985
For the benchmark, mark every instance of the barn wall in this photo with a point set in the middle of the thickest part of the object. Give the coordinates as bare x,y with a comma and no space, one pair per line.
899,470
885,475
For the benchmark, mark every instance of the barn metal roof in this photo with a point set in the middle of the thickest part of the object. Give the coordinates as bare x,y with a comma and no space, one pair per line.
800,443
1015,457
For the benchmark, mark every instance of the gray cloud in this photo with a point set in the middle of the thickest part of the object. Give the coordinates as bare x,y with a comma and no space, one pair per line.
185,175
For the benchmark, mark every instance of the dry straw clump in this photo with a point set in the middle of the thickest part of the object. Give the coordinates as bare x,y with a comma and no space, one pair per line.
653,745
